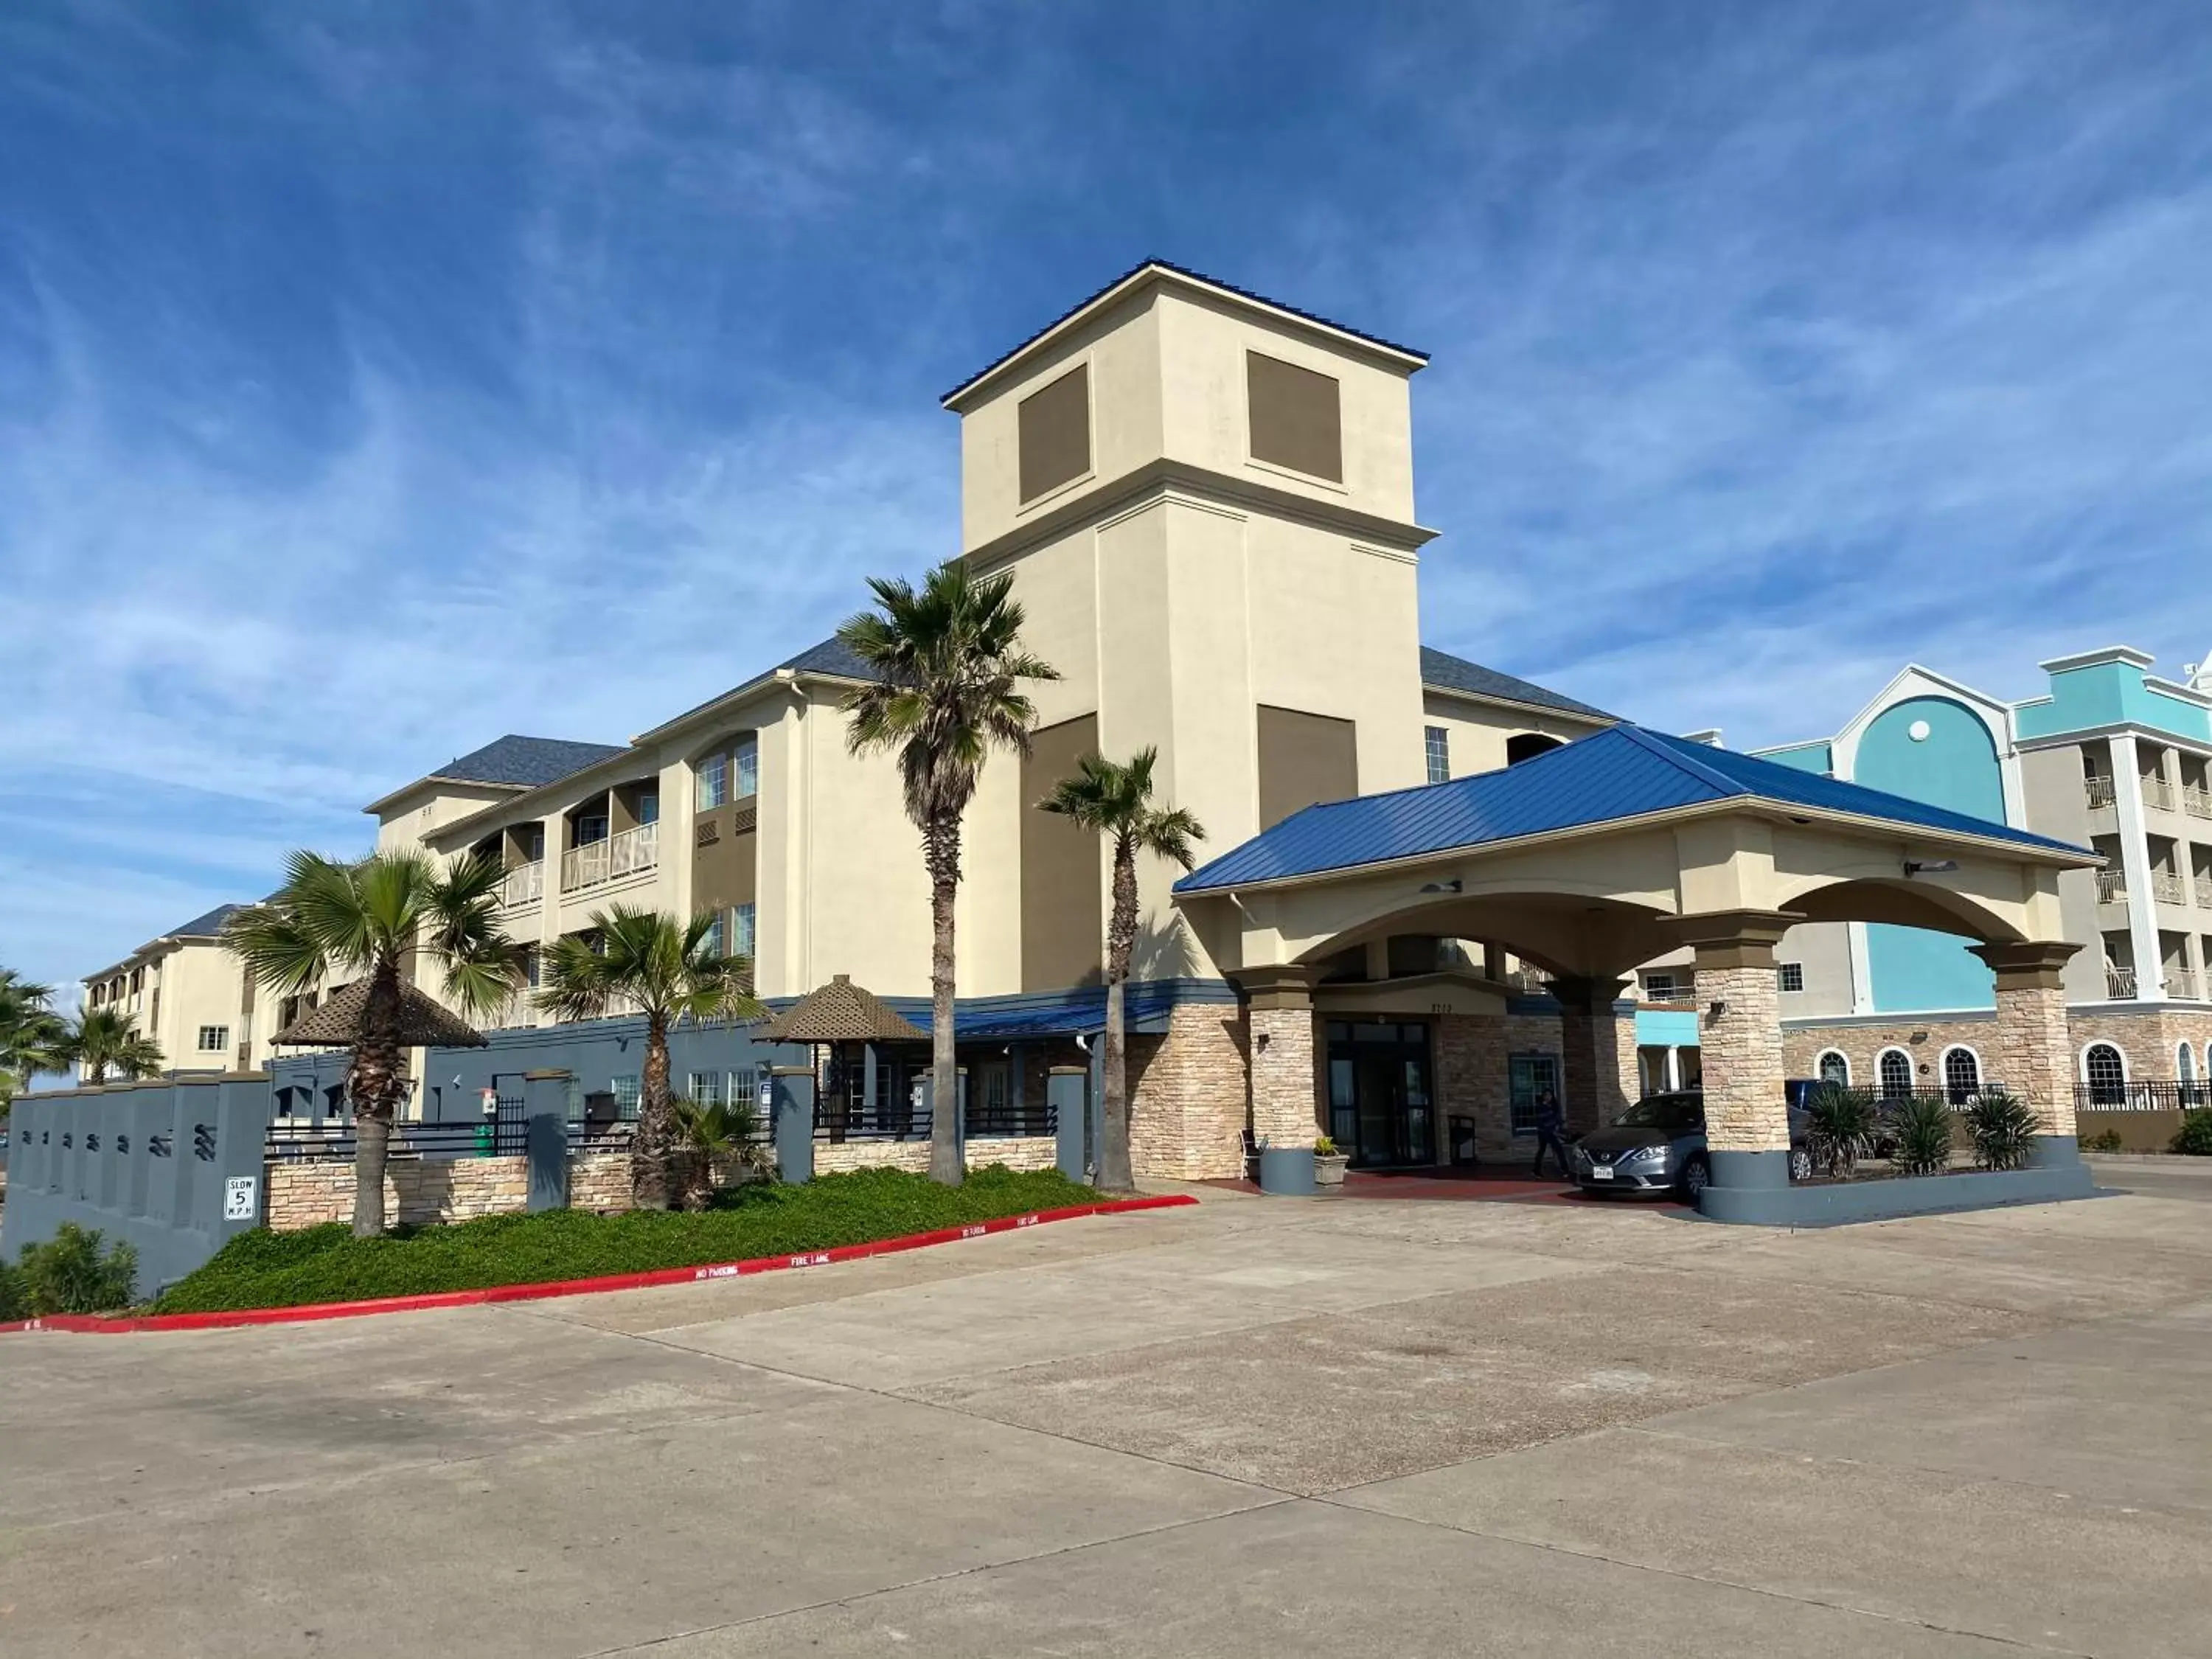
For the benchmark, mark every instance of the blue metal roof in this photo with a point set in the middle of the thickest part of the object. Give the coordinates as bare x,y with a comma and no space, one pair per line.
1625,772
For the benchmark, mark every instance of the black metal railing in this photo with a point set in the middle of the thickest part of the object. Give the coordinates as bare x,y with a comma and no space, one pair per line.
334,1138
2145,1095
1951,1094
1013,1119
888,1117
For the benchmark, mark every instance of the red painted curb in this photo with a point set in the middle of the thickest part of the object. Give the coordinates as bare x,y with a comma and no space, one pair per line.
97,1325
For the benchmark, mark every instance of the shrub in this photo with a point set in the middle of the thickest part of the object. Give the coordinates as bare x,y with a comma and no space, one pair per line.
1921,1125
1324,1146
2003,1128
13,1300
262,1269
71,1273
2195,1136
1842,1127
2104,1140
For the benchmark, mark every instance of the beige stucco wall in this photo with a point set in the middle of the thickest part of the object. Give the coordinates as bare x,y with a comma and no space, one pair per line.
1479,730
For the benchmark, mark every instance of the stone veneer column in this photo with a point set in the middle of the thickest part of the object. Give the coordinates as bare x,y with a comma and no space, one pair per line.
2034,1054
1279,1004
1739,1033
1589,1044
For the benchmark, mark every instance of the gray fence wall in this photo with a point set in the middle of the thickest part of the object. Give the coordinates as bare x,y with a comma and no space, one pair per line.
152,1163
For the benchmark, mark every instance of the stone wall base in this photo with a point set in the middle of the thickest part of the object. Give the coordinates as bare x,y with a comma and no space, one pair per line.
416,1191
1188,1096
1015,1152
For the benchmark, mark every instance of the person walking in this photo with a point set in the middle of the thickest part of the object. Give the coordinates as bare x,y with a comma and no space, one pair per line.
1550,1122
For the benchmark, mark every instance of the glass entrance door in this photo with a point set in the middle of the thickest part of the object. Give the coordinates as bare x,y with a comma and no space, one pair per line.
1380,1108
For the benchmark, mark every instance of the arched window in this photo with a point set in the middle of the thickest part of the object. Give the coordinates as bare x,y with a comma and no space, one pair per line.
1896,1073
2105,1070
1962,1074
1835,1067
2193,1091
1527,746
2184,1063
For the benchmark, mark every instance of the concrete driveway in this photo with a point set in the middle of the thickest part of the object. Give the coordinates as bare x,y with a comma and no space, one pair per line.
1260,1427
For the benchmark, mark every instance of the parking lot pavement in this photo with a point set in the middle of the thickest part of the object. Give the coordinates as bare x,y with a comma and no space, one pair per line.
1259,1427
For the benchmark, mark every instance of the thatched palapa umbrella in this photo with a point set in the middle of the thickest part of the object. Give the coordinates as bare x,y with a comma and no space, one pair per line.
424,1023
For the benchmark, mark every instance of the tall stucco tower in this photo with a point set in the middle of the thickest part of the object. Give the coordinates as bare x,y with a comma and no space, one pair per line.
1207,500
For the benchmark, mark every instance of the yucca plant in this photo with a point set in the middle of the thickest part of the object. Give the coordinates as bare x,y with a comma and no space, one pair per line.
2002,1128
715,1133
1922,1126
1842,1130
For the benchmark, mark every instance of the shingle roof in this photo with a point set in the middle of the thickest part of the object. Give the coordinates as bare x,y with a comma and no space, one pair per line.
1457,674
424,1022
841,1012
1623,772
528,762
206,927
1090,300
829,657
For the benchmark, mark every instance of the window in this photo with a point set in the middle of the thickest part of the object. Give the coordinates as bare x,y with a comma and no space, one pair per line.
1054,433
705,1089
712,942
741,931
214,1039
1527,746
745,766
591,828
533,964
1896,1068
1792,975
648,806
2106,1071
1436,741
1962,1074
624,1089
1529,1077
2184,1064
1835,1067
714,781
1295,417
1662,988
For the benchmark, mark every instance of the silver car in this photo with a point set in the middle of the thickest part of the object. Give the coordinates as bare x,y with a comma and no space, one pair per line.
1658,1145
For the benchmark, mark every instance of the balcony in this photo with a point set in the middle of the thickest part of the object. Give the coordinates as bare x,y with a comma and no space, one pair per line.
2204,892
2120,983
2157,792
631,853
2099,787
2198,803
2111,887
2180,985
2166,887
525,885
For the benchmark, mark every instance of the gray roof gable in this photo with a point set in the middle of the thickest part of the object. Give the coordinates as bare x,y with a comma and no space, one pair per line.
526,763
205,927
1451,673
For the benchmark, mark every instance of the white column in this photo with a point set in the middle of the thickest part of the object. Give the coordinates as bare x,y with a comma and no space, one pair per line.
2135,863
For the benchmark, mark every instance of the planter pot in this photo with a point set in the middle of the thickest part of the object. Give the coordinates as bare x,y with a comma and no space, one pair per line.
1329,1168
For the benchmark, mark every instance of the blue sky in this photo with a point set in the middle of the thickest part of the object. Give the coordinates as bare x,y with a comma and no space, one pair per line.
375,379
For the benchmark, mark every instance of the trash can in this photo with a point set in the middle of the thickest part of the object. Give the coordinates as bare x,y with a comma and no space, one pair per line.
1463,1155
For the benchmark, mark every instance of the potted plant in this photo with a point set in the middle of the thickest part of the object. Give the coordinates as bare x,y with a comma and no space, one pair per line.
1328,1162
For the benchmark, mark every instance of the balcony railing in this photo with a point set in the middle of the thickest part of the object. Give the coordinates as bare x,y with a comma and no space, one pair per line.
629,853
2111,886
2158,792
2099,787
2198,803
2148,1095
2166,887
2119,982
2181,984
2204,892
525,885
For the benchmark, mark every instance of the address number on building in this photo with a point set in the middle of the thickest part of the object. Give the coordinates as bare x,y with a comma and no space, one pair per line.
239,1193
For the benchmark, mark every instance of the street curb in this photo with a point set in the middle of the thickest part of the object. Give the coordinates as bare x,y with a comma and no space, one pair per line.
99,1325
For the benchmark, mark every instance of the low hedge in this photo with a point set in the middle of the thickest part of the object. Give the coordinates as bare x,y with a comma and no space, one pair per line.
263,1269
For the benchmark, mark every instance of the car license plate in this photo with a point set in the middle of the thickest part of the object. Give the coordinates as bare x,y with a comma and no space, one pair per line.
1601,1172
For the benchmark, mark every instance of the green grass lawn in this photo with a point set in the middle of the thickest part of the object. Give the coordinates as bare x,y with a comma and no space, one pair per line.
328,1264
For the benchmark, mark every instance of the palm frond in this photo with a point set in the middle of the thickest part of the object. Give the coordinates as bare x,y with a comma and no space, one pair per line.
278,949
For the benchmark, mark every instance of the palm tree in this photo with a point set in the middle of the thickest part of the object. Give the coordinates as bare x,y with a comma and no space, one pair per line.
709,1133
363,919
1115,800
31,1035
668,971
104,1040
949,656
